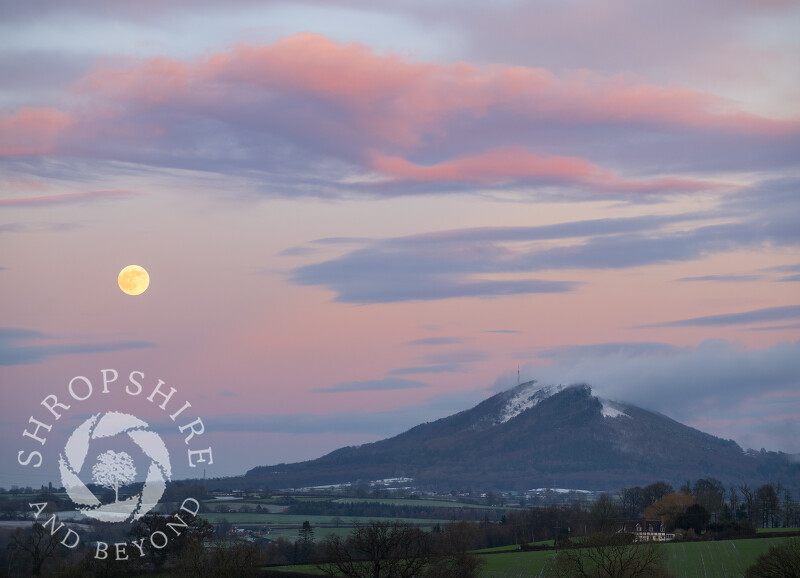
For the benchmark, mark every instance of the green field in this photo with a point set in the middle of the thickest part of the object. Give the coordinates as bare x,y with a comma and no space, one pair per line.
516,564
287,525
296,520
500,565
319,533
715,559
300,568
774,530
511,549
423,503
723,559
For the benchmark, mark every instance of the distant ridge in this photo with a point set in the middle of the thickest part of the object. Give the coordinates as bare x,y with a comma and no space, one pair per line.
532,436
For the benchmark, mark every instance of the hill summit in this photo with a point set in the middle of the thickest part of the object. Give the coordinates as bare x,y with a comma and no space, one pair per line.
534,436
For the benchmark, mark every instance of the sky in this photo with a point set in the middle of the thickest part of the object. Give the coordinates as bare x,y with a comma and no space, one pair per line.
360,216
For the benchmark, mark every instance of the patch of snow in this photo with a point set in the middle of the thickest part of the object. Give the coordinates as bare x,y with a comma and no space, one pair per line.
559,491
525,399
610,411
329,487
392,481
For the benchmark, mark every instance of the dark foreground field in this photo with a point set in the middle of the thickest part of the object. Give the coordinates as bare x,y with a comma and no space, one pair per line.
721,559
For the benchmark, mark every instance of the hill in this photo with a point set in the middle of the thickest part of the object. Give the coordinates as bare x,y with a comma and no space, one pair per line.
531,436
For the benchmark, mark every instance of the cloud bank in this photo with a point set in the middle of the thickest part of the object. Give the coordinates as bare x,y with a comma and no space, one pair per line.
22,347
397,126
717,386
471,262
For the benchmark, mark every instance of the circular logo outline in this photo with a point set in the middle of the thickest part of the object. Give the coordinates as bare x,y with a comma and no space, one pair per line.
108,425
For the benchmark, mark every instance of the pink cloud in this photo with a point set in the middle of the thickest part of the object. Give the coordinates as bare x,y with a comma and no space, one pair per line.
31,130
513,165
63,198
494,167
400,100
419,93
25,184
147,83
375,110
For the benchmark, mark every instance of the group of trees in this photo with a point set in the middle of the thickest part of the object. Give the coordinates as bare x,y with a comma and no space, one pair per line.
376,549
39,549
586,533
12,507
768,506
703,507
394,550
370,510
381,550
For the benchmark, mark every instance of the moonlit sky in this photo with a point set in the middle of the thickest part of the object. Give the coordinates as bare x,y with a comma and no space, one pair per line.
361,216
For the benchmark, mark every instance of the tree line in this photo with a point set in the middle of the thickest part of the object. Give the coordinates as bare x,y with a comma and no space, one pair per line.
703,509
389,510
767,506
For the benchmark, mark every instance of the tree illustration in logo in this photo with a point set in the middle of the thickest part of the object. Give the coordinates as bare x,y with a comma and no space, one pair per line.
112,470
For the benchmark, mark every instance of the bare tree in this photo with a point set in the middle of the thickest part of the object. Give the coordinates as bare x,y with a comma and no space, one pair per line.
378,550
611,556
112,470
749,501
197,530
604,513
221,558
452,552
709,493
733,501
34,546
632,501
656,491
788,506
767,505
778,562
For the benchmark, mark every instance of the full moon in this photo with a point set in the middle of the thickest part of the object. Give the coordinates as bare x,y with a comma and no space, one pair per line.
133,280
